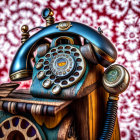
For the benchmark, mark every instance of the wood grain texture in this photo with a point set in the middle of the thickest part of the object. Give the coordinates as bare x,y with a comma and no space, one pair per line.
25,97
90,110
34,109
35,102
50,121
21,91
7,88
91,80
64,128
116,132
18,102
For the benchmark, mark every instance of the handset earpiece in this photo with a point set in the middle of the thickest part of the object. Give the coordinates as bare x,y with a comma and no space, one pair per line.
96,55
88,52
115,81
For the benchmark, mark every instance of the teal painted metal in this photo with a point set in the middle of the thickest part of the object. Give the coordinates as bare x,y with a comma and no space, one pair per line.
79,85
4,116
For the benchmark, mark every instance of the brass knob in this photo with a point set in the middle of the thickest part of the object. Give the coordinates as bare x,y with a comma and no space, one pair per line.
47,83
47,14
40,75
25,35
56,89
24,28
116,79
39,65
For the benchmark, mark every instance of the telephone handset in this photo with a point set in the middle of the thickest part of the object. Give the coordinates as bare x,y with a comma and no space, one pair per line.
61,66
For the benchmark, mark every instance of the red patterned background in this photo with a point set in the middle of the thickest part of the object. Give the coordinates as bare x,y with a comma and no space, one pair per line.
120,22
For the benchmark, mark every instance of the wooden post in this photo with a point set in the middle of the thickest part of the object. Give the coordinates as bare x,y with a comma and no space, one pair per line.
90,110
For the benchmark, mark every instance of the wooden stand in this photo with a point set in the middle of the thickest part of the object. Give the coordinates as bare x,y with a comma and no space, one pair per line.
52,116
89,111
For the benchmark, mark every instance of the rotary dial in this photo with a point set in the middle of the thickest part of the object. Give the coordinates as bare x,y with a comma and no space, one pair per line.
61,67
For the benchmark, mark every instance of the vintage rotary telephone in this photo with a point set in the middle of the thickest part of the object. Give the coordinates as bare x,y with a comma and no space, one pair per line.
61,66
67,53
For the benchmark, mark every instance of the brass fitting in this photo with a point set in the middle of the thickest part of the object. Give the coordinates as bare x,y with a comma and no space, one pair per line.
47,14
25,35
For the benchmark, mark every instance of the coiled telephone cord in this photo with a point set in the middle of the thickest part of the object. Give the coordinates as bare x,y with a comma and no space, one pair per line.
111,114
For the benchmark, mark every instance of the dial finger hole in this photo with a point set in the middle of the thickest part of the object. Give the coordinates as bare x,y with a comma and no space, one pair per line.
79,68
67,52
67,47
24,124
76,54
6,125
31,132
53,50
54,54
73,49
60,51
46,62
15,121
15,135
71,79
64,82
52,77
78,59
46,67
48,72
60,47
47,55
57,80
41,60
76,73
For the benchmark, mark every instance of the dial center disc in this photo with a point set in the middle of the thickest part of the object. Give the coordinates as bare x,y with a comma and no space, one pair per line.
61,62
112,75
62,65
